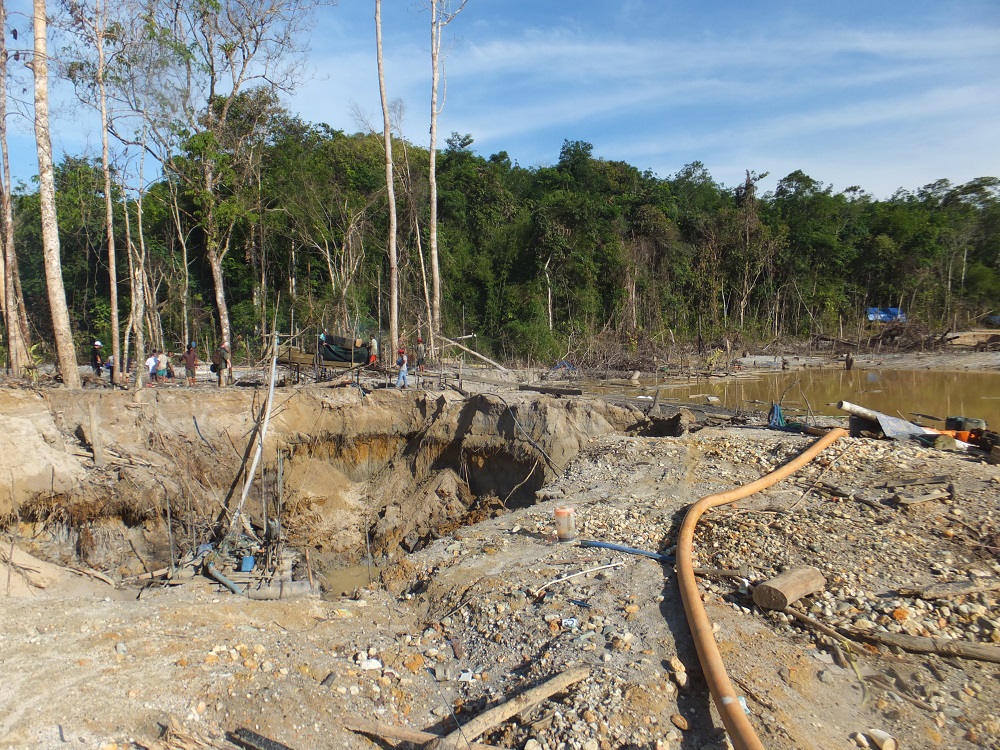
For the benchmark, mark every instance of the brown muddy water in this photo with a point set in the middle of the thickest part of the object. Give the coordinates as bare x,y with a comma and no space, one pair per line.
895,392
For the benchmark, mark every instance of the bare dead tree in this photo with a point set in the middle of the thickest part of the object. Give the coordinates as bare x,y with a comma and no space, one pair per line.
14,314
61,331
443,12
94,26
389,188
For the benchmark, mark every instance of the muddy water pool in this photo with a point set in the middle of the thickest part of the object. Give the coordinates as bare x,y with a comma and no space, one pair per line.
930,392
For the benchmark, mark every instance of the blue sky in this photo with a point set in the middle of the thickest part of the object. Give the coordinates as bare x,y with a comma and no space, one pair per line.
882,95
877,94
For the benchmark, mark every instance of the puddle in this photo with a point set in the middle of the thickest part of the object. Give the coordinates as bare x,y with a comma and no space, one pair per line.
894,392
342,581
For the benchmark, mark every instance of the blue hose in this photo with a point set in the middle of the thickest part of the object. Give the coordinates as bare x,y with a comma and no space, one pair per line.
630,550
214,573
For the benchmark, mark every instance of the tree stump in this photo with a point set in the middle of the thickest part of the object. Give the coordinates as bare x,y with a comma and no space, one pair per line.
788,587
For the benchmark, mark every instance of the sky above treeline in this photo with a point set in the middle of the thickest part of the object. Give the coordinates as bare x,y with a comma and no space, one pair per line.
879,95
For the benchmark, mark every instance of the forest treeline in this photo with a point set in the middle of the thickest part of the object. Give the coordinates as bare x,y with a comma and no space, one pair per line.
535,261
214,214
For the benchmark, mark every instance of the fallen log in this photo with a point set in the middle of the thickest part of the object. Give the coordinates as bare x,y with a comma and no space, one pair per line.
393,732
464,735
487,360
920,644
788,587
954,588
551,390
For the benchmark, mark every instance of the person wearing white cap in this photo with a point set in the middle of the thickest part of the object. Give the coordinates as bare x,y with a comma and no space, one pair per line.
96,360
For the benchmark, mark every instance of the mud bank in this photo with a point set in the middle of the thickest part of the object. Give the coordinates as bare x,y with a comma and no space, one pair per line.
391,469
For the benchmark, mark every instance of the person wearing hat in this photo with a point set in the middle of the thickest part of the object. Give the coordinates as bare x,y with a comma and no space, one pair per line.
401,362
96,360
190,363
421,353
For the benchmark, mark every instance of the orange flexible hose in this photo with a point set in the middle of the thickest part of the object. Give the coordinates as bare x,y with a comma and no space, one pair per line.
737,724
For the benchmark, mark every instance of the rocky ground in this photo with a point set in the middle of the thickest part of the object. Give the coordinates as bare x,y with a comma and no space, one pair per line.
480,614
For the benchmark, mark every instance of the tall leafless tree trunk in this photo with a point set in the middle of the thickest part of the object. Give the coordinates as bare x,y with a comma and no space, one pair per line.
138,295
61,331
94,23
442,14
389,188
15,318
109,220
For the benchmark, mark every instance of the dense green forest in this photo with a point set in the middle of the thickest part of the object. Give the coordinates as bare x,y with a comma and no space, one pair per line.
214,214
544,263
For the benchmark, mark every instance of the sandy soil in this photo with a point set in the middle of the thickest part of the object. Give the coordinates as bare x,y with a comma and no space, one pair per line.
475,616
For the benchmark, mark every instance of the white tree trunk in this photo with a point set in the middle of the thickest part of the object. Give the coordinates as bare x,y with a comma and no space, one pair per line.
18,341
109,222
441,15
61,331
389,188
138,295
435,322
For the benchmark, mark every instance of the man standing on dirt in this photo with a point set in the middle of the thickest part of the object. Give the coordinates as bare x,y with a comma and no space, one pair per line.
96,361
190,364
151,367
401,362
421,354
161,366
372,351
221,362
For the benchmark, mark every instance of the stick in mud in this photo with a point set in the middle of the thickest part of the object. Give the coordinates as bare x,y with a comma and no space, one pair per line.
464,735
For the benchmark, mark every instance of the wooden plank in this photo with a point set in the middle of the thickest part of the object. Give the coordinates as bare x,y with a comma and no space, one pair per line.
915,499
895,483
551,390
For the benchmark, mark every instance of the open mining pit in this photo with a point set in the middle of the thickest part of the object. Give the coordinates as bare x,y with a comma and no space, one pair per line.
124,481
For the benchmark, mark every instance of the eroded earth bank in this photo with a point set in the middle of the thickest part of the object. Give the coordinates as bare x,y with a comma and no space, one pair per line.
452,500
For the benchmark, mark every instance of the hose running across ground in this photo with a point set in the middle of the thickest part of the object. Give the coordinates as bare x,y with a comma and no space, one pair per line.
737,723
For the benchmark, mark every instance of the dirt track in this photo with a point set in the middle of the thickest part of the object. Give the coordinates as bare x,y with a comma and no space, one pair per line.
461,623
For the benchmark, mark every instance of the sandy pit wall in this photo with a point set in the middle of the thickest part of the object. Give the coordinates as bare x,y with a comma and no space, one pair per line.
392,466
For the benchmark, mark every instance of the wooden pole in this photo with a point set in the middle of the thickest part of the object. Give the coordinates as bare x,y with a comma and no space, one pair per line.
393,732
95,436
488,719
925,645
487,360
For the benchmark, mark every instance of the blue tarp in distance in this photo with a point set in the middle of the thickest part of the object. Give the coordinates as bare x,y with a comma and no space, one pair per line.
886,315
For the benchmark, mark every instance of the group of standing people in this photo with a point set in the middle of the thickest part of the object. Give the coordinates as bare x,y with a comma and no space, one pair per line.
160,367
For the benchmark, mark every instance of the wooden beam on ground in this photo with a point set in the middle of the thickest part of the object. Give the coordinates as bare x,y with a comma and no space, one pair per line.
926,645
499,714
393,732
893,484
954,588
551,390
